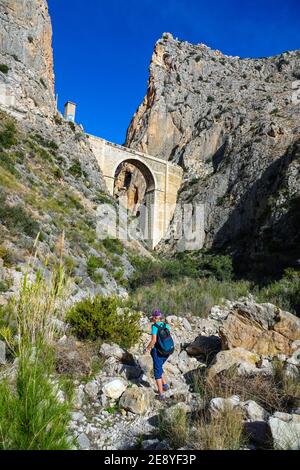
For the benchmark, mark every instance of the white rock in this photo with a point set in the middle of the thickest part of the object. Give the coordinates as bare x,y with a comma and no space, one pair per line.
79,417
186,324
92,389
112,350
295,418
78,397
114,388
254,411
295,358
220,404
83,442
218,313
285,434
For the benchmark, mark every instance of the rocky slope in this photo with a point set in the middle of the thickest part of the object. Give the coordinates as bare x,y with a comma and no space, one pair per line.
50,182
233,125
234,349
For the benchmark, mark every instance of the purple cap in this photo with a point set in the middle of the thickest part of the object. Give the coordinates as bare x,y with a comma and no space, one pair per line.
156,314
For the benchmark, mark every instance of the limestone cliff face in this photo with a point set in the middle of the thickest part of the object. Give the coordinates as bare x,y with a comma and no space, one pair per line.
26,58
234,126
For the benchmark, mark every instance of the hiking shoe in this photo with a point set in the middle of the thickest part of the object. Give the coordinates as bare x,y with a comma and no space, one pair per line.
166,387
161,398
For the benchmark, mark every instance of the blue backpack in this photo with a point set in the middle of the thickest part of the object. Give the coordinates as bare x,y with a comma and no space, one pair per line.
164,342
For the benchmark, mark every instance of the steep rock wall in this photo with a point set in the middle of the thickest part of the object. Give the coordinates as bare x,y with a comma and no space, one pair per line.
26,75
234,126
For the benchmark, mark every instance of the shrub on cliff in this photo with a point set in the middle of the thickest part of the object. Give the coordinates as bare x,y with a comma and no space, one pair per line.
285,293
191,265
107,318
187,296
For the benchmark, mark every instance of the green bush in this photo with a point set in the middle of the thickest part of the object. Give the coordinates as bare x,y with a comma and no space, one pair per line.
17,219
94,263
7,256
76,169
107,318
113,245
8,135
192,265
31,415
285,293
7,161
3,287
187,296
4,68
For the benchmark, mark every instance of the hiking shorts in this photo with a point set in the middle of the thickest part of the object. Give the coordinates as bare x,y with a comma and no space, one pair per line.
158,362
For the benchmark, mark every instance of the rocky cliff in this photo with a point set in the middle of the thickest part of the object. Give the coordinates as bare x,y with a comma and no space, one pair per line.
50,181
26,70
233,125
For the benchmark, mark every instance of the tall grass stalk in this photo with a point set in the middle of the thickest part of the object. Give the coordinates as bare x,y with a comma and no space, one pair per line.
40,301
32,417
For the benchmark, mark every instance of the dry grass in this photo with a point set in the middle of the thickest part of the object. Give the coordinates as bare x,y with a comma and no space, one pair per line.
33,310
174,428
275,392
31,414
222,431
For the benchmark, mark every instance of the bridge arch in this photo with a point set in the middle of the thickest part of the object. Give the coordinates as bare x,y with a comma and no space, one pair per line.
144,169
162,177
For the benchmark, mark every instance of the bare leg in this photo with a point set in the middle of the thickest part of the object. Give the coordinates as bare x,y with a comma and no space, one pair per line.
164,381
159,384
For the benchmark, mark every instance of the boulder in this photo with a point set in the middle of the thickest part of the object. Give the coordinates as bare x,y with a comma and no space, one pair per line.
245,361
288,325
92,389
238,331
295,358
146,364
113,350
136,400
219,404
78,397
263,315
258,432
129,372
114,388
285,431
207,345
254,412
260,328
186,324
83,442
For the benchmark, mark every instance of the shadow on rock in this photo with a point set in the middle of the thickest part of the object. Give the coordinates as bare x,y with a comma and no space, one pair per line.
204,348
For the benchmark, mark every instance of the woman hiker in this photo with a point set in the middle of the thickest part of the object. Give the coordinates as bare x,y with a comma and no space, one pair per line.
158,359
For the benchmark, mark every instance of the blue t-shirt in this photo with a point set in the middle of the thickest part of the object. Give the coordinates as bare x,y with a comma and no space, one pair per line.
154,329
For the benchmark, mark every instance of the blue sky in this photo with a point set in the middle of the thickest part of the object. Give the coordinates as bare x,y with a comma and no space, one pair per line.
102,48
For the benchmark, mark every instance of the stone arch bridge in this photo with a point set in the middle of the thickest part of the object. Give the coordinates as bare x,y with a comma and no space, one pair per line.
163,181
